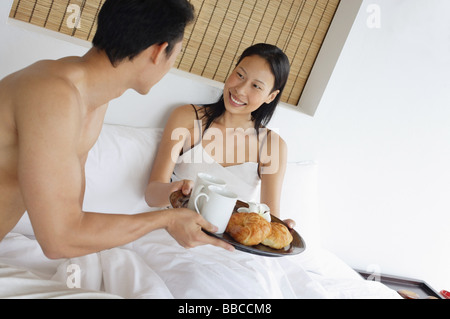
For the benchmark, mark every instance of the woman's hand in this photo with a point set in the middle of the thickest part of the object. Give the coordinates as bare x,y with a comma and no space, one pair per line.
157,193
185,186
290,223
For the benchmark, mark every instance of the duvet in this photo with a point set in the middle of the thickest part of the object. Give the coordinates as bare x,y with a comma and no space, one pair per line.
155,266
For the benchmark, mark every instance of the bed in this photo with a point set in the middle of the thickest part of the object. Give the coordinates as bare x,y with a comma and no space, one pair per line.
155,266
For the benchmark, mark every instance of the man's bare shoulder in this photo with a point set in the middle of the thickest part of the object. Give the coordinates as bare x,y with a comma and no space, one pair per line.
43,87
43,75
38,95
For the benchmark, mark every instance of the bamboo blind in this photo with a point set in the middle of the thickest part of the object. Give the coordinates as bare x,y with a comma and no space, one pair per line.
221,31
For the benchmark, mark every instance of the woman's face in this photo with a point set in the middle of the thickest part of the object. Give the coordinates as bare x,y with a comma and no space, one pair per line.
249,86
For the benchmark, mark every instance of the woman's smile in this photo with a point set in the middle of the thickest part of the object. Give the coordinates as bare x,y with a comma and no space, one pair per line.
249,86
235,101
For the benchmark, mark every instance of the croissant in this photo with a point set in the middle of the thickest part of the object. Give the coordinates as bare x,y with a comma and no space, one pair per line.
248,228
279,236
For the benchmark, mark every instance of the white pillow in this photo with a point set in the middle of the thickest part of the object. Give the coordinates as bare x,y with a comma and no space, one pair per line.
118,168
119,165
117,172
300,202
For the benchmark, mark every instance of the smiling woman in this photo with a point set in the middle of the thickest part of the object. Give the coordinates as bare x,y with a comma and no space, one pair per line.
212,48
257,83
250,97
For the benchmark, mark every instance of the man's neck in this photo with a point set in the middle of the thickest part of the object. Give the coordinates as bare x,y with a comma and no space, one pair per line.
103,82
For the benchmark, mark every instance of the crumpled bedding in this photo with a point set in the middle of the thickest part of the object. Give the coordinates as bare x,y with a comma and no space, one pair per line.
155,266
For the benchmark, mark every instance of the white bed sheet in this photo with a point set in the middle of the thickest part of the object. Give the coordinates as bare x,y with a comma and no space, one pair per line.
155,266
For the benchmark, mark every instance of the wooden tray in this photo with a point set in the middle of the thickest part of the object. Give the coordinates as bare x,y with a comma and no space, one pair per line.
297,246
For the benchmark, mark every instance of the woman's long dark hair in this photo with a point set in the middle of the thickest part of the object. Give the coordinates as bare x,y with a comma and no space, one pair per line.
280,67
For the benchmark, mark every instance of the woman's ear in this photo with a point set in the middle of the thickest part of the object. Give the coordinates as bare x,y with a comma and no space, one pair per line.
272,96
158,52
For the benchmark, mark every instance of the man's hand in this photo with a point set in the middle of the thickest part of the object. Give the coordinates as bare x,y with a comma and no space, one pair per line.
185,227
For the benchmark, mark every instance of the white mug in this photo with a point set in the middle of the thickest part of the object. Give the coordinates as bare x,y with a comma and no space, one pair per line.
202,181
218,207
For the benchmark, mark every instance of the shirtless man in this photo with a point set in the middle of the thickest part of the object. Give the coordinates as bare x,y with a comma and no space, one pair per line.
51,114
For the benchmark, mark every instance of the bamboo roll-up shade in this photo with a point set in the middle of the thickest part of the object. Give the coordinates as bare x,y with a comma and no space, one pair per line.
220,33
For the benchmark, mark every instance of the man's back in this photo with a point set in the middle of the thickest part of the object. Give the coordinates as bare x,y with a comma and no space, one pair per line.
18,94
11,203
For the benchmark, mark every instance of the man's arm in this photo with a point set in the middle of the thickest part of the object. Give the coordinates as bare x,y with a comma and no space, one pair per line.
50,171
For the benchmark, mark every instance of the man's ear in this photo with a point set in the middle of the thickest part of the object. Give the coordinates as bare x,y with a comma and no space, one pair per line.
158,52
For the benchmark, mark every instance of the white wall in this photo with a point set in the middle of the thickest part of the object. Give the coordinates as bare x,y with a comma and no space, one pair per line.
381,135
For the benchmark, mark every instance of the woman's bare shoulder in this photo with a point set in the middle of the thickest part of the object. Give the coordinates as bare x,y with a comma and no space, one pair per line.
184,115
272,143
268,136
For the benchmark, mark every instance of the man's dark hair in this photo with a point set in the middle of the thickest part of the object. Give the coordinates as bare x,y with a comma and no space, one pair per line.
125,28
